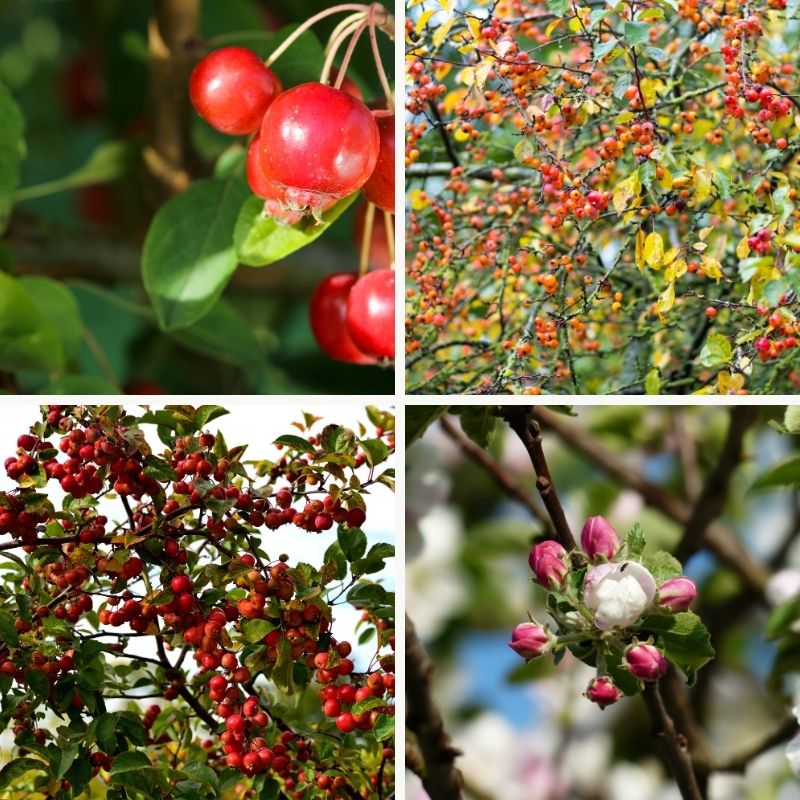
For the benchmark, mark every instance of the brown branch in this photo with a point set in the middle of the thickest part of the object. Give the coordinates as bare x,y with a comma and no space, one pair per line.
739,762
440,776
719,538
711,502
521,421
675,744
172,32
498,473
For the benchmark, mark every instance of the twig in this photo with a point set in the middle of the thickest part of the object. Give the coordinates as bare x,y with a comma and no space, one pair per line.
712,499
739,762
719,538
675,746
498,473
440,776
521,421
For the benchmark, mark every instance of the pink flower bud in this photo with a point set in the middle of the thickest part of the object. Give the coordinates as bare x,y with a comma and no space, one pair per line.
529,640
645,661
548,564
676,594
602,691
598,538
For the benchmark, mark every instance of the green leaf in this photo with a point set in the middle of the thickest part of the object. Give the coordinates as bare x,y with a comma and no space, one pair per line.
374,560
202,774
38,682
684,639
8,630
419,418
637,33
716,352
785,474
663,566
295,443
130,761
558,7
302,62
81,384
262,240
55,301
18,767
375,451
782,618
255,630
224,335
353,542
109,162
158,468
12,151
282,672
206,414
188,255
479,423
105,732
635,542
337,440
384,727
270,790
28,340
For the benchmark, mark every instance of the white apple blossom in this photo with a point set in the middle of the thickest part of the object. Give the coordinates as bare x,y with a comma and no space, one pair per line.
618,593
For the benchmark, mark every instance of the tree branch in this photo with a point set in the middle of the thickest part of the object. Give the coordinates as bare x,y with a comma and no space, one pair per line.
718,538
739,762
521,421
711,502
498,473
674,742
440,777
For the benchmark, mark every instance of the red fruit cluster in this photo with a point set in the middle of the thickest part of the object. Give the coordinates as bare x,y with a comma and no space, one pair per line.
761,241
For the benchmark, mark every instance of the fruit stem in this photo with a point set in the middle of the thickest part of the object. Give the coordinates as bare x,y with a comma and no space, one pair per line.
389,223
345,23
366,241
308,24
373,39
354,31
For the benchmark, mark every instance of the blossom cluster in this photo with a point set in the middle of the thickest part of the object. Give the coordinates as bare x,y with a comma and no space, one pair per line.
601,597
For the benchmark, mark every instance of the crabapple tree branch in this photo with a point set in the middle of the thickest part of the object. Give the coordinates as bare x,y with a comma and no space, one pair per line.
521,420
441,778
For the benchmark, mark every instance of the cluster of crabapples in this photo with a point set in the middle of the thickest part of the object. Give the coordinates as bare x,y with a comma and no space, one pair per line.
603,610
101,455
313,145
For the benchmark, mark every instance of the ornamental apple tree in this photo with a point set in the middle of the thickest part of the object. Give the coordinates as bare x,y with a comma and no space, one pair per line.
602,198
154,644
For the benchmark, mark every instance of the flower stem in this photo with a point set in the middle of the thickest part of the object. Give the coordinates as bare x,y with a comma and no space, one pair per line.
311,21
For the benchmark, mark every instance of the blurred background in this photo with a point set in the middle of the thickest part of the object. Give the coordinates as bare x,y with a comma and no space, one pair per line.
80,71
525,731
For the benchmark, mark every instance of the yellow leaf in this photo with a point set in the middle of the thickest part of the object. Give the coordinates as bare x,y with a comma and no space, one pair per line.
670,255
551,27
461,136
743,248
665,181
440,34
729,384
474,26
699,246
712,268
666,300
702,185
418,199
675,270
423,20
447,5
625,191
650,89
482,72
703,233
654,249
639,251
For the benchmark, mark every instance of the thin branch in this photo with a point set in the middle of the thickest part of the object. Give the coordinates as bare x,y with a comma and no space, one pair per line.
674,742
719,538
440,776
739,762
498,473
521,421
711,502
